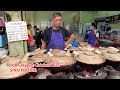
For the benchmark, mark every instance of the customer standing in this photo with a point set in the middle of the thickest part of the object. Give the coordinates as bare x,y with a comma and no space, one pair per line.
30,40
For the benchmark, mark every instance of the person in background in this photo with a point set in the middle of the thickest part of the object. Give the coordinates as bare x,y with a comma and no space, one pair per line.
72,28
38,38
93,35
107,28
54,37
86,35
34,31
30,40
46,27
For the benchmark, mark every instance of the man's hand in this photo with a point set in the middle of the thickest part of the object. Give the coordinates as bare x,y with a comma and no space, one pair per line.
72,37
66,44
43,45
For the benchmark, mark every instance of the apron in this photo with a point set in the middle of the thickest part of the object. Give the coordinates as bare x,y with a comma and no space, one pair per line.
56,41
92,38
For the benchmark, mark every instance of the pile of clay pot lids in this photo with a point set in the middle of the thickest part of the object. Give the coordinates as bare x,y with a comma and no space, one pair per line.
112,54
37,56
60,57
38,51
102,49
62,61
97,51
90,57
71,48
58,53
87,48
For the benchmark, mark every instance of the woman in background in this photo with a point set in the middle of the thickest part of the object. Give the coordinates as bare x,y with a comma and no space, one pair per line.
30,40
93,35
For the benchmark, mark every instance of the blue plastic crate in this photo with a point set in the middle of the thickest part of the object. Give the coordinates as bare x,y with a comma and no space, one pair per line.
3,40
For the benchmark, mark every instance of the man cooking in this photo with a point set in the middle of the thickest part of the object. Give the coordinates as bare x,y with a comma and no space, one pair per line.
55,36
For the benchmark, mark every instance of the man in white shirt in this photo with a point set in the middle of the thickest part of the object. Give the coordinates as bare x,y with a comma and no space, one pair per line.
34,31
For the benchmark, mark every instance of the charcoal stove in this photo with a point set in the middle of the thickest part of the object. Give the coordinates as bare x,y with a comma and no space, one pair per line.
99,74
112,73
60,75
115,65
81,72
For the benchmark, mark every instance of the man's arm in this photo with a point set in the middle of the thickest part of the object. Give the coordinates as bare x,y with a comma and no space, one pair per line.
43,45
44,42
72,37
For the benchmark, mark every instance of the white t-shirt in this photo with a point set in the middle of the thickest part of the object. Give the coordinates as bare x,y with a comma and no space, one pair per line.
96,33
33,32
67,27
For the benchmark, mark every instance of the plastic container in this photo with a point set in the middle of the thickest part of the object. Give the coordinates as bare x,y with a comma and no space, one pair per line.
75,44
3,40
3,52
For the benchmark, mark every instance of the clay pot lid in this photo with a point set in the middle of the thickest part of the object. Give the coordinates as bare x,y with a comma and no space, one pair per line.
57,52
110,49
62,61
89,53
102,48
40,51
112,56
90,58
37,58
73,48
97,51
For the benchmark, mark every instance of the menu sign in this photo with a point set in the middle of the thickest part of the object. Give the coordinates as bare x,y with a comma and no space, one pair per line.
16,31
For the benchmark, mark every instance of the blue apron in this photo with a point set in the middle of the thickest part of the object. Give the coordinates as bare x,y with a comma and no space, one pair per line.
56,41
92,38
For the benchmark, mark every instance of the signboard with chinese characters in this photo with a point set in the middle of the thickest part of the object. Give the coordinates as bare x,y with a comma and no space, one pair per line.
16,31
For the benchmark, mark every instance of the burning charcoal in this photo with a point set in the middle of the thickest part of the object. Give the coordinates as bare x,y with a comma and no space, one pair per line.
55,76
43,73
71,76
64,76
50,77
31,77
